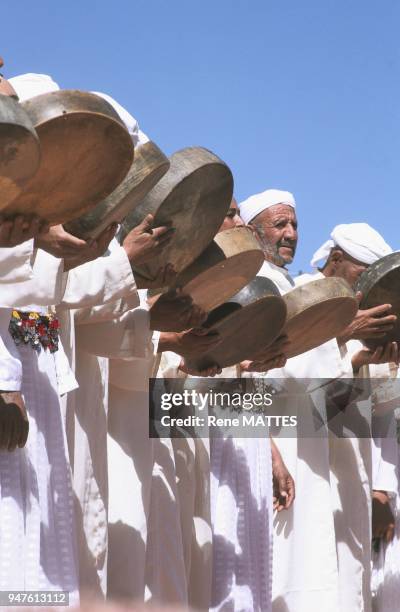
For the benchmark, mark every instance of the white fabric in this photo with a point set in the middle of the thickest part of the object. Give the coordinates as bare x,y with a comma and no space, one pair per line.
255,204
386,566
145,544
97,291
225,483
30,85
37,539
330,515
359,240
15,263
138,137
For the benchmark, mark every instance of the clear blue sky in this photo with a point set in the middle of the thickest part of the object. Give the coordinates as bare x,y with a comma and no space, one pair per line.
299,95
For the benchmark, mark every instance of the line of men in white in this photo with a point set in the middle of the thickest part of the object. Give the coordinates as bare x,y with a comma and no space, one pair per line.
91,505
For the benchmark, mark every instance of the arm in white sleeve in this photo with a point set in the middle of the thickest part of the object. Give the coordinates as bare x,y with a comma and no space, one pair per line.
10,364
15,263
103,280
106,312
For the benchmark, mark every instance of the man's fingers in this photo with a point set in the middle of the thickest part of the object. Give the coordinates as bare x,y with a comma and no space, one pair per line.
378,311
163,232
24,431
13,435
382,321
147,223
5,228
389,534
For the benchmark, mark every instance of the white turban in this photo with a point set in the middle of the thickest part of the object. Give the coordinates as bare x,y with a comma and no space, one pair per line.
138,137
359,240
255,204
30,85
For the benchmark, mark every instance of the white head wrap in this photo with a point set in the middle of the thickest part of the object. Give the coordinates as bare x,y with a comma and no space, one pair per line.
359,240
255,204
138,137
30,85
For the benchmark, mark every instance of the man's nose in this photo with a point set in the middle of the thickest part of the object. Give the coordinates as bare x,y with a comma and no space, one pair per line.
238,221
290,232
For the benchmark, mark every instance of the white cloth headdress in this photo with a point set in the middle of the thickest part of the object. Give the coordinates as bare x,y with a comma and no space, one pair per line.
359,240
30,85
138,137
255,204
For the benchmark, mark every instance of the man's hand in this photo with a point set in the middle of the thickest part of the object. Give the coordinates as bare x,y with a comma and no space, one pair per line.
18,230
189,343
175,311
269,358
283,484
382,517
144,243
371,323
14,425
75,252
389,353
211,371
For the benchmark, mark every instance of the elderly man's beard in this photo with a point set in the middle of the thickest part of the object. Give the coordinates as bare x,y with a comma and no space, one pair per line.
271,251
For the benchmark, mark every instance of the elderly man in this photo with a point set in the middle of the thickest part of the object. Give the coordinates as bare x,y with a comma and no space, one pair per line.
235,498
306,572
350,250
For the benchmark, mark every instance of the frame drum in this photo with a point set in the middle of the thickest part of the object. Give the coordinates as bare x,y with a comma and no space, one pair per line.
192,197
19,149
317,312
229,262
86,151
247,323
148,167
380,284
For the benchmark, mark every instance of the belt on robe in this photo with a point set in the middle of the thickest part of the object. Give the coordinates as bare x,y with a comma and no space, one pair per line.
35,329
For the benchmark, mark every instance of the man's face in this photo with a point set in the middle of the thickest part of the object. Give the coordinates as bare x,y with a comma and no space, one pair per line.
347,267
276,229
232,218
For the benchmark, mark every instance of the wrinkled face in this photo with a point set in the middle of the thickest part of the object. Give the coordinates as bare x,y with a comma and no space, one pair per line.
276,230
232,218
345,266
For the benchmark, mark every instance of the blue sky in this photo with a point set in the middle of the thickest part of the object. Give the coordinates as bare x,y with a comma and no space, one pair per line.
295,95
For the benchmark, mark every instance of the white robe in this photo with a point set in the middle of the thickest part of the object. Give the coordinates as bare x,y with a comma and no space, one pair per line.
235,499
37,543
386,561
105,282
145,558
310,569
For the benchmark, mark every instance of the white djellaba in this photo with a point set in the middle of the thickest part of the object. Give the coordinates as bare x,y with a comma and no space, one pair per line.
226,508
305,561
37,543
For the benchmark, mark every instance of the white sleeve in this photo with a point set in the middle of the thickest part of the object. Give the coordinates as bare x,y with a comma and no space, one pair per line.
103,280
384,464
42,289
15,263
10,364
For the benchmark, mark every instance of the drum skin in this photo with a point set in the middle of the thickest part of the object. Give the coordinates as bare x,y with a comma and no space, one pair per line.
193,198
249,322
86,152
229,262
380,284
317,312
148,167
19,149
